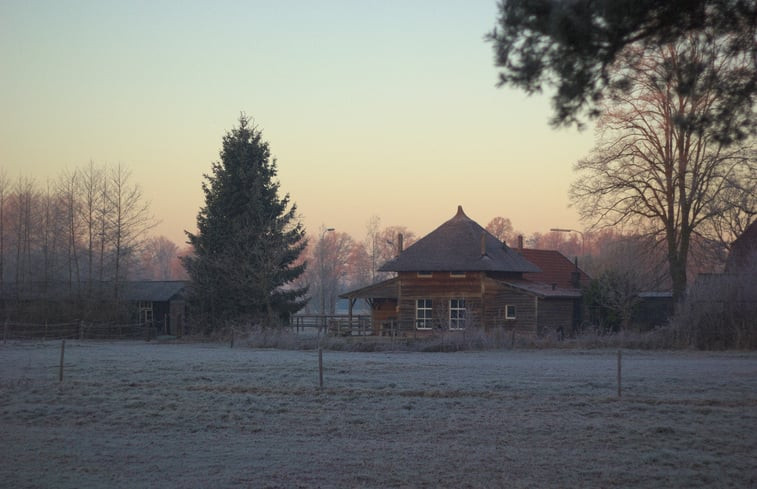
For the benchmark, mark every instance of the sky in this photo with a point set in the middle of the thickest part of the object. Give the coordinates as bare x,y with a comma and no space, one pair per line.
371,108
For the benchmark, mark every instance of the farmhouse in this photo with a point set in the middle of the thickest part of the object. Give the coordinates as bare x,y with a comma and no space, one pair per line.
460,275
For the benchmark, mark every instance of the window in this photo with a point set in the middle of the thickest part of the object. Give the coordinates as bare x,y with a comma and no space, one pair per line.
423,314
425,274
145,312
457,314
509,312
457,274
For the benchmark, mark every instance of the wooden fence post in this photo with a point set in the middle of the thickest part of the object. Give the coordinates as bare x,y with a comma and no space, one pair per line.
5,331
81,330
620,356
320,368
62,352
232,338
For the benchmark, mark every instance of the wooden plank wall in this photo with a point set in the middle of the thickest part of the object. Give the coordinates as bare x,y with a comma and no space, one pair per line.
555,314
485,301
498,297
440,288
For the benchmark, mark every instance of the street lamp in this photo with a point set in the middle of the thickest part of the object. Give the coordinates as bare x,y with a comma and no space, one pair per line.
564,230
323,276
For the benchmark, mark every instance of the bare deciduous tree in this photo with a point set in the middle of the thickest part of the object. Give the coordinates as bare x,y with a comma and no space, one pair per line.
91,195
158,257
651,171
371,245
382,245
68,187
130,220
329,265
502,229
24,197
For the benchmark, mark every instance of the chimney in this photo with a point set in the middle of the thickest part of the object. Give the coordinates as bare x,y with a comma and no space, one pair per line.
575,276
520,241
483,244
400,248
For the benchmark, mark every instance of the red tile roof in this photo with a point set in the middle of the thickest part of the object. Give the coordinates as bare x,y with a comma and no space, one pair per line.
555,267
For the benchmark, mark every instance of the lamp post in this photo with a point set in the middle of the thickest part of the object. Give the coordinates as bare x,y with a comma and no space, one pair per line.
564,230
323,275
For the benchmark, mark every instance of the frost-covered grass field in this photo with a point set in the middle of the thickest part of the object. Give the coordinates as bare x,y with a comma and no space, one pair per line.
133,415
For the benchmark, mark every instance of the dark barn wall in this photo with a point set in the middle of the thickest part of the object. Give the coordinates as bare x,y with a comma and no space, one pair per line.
651,312
555,315
498,297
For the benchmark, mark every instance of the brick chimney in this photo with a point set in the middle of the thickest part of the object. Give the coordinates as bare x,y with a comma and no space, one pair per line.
520,242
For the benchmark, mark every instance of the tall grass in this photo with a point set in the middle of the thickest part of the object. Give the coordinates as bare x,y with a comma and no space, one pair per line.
471,339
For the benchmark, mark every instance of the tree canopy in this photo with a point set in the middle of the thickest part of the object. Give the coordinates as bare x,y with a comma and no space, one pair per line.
573,45
249,239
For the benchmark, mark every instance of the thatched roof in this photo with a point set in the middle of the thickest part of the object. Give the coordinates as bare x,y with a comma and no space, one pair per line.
459,245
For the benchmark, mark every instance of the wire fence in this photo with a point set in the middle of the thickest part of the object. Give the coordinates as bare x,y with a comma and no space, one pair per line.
76,330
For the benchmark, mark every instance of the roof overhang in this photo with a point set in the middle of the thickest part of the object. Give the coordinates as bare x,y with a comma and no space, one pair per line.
386,289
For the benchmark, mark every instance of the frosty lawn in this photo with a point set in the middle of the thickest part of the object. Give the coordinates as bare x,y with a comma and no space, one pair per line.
131,414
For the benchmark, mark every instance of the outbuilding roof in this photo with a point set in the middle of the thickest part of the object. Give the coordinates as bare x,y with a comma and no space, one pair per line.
459,245
154,290
544,291
556,268
140,290
386,289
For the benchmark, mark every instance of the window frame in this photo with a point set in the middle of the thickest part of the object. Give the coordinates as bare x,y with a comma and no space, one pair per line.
424,274
508,316
146,312
425,322
457,274
459,311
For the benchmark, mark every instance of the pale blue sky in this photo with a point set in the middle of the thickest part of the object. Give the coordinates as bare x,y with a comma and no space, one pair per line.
385,108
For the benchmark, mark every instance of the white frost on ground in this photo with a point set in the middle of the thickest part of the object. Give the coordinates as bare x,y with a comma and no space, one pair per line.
133,415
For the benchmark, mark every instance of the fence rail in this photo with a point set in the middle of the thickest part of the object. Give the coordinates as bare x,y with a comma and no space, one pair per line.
334,324
75,330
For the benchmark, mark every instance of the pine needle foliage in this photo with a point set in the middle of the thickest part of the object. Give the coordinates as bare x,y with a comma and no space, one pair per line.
249,239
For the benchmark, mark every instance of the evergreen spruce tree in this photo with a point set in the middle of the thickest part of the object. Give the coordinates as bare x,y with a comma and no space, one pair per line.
249,239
